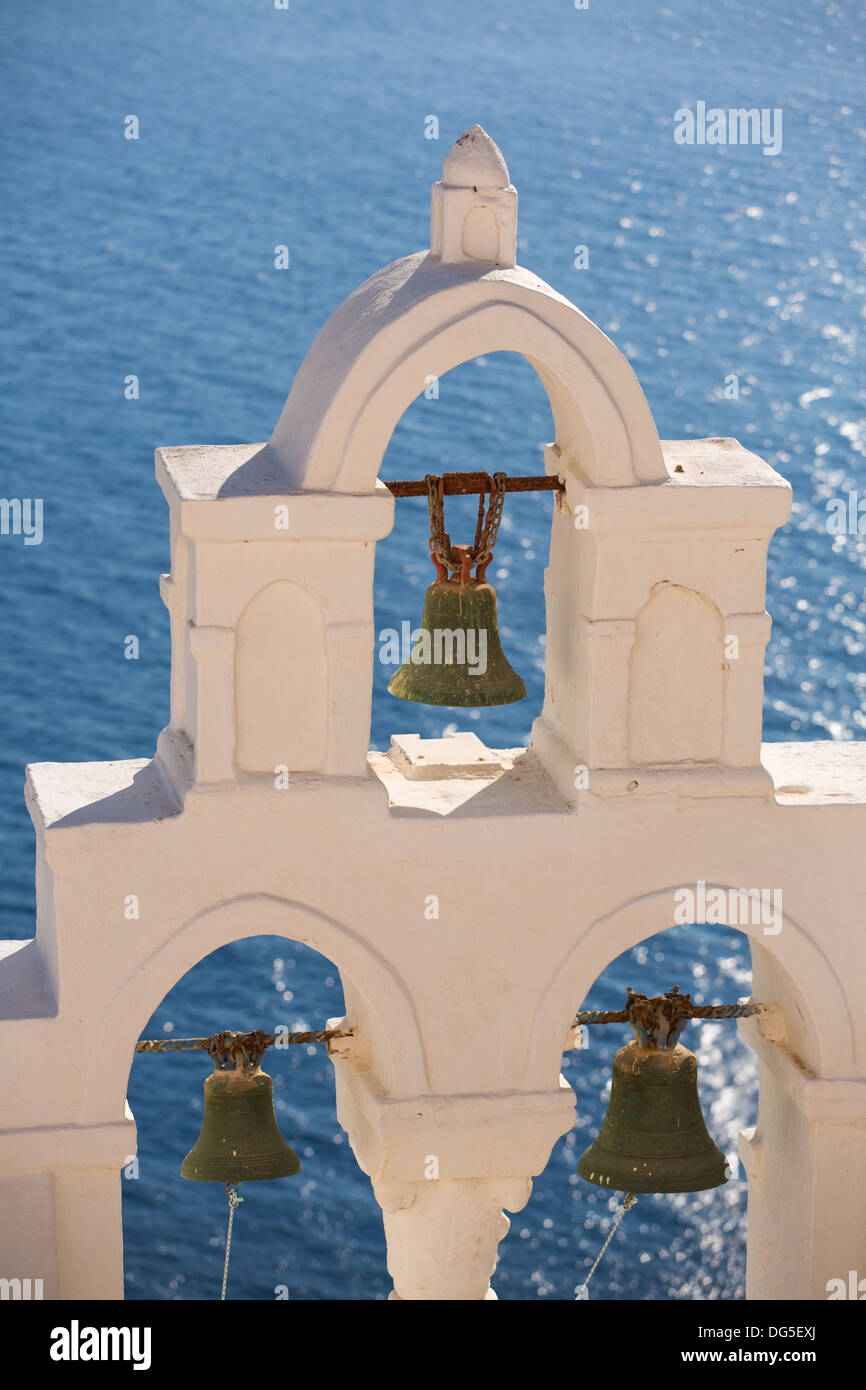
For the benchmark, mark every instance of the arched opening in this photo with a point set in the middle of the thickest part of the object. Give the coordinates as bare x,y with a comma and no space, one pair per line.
817,1023
489,414
815,1027
314,1236
418,317
383,1007
682,1246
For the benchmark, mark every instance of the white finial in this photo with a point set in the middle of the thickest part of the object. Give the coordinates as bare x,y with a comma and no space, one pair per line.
473,214
475,161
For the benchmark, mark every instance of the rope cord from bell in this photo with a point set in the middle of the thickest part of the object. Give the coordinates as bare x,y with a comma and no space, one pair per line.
234,1203
581,1291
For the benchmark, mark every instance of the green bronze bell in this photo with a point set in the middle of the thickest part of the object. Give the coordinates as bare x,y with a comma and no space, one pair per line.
457,658
653,1138
239,1139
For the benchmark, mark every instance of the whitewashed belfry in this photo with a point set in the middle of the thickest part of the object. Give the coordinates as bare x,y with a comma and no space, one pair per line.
263,810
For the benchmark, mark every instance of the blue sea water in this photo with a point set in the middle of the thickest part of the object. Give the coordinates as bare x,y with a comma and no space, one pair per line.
155,257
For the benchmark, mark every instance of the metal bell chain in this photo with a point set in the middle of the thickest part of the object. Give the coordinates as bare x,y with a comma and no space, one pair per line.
485,539
486,529
440,541
582,1292
234,1203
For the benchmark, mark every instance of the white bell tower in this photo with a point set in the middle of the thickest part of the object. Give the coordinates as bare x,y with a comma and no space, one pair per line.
264,811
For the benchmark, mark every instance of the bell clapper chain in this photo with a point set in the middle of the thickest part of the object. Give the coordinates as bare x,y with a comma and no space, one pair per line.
582,1292
234,1203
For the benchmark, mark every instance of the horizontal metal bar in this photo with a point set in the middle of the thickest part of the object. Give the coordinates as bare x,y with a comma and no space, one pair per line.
702,1011
269,1040
461,484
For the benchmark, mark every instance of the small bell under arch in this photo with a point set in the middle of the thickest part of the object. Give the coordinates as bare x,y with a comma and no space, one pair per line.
239,1140
653,1137
458,659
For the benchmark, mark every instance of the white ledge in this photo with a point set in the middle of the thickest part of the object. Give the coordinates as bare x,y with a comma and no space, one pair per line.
712,485
817,774
196,477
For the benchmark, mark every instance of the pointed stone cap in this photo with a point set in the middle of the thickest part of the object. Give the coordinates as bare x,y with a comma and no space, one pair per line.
475,161
473,212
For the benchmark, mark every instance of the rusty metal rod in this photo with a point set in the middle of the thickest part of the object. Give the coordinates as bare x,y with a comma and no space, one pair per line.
705,1011
267,1040
464,484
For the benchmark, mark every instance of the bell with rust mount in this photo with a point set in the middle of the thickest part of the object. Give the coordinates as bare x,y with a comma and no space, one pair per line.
653,1137
458,658
239,1139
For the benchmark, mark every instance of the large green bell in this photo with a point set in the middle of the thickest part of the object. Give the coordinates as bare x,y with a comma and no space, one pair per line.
653,1138
239,1139
458,658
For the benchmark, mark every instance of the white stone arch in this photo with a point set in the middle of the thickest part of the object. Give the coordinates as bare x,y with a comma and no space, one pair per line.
828,1022
419,317
389,1012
